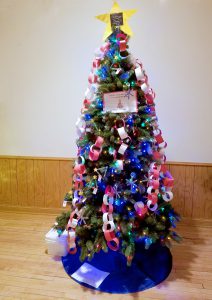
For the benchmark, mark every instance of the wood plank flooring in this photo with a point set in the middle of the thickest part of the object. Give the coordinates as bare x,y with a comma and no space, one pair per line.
26,272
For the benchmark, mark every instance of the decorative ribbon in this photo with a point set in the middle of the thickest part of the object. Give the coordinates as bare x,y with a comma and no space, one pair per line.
139,63
122,148
122,133
80,125
126,140
96,149
153,187
168,180
108,223
122,41
150,96
96,62
153,198
154,166
105,47
92,78
140,208
91,90
159,138
152,111
140,74
86,104
152,206
148,93
75,216
154,183
78,181
100,52
158,154
80,166
79,170
145,88
76,198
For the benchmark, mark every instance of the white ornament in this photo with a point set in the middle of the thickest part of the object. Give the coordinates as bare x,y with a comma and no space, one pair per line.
152,208
168,196
145,88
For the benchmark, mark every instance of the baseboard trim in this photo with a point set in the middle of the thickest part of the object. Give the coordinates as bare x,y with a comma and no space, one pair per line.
31,210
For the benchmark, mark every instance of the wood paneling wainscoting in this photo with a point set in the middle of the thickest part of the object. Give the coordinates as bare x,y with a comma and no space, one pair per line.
43,182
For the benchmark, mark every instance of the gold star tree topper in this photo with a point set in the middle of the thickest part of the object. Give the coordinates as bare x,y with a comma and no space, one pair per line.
117,17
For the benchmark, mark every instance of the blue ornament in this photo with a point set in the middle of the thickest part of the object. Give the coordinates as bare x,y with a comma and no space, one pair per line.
146,148
147,110
87,117
117,202
125,76
118,234
148,242
131,214
99,104
130,121
134,189
119,205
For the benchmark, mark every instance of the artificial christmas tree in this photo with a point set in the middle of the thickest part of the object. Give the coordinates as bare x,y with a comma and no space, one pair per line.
120,200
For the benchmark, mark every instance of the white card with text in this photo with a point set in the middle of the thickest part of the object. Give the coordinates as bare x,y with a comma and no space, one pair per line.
90,275
120,102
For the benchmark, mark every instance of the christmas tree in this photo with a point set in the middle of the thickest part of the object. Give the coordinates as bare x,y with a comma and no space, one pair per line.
121,186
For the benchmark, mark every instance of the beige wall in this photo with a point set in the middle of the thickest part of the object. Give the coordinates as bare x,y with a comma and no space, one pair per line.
46,49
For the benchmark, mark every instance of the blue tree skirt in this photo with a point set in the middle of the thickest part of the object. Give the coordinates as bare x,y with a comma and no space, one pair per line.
149,268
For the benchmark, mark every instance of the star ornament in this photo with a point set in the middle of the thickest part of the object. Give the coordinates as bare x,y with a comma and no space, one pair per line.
117,17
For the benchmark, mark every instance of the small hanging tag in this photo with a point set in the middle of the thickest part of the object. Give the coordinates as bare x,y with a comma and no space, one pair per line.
64,203
95,191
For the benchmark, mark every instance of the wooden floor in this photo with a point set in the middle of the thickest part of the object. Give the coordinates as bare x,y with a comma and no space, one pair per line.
26,272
